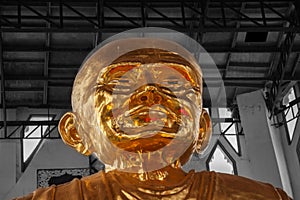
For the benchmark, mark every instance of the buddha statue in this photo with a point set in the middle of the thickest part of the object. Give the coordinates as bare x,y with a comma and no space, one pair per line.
137,105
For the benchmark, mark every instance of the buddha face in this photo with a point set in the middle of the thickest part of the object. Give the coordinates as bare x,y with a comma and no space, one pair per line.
142,107
147,111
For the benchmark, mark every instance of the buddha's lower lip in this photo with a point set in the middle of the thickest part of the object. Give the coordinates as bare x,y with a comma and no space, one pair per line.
149,134
170,127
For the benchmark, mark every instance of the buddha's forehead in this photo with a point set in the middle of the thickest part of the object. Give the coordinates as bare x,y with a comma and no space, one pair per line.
153,61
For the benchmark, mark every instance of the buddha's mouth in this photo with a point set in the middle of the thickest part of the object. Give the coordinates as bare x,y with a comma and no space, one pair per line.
142,121
146,129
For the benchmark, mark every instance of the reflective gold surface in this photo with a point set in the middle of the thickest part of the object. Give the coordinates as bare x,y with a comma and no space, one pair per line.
141,113
146,115
119,185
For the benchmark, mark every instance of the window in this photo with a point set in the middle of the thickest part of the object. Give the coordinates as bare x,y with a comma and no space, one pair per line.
225,113
33,135
229,129
256,36
220,160
291,113
207,110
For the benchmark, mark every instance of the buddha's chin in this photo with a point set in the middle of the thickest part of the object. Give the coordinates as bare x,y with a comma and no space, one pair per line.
150,142
143,142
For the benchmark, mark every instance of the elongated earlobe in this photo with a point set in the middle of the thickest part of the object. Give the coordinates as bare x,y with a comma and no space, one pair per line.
204,132
69,134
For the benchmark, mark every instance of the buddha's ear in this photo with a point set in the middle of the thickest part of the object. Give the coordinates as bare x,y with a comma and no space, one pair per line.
204,132
69,134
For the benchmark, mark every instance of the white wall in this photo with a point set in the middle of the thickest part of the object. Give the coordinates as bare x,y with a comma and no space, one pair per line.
53,154
268,157
259,144
8,152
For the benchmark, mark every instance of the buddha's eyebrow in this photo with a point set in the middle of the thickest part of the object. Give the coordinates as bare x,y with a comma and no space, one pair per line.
124,66
122,80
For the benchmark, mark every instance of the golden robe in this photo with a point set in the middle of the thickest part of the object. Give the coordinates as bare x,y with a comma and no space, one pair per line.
203,186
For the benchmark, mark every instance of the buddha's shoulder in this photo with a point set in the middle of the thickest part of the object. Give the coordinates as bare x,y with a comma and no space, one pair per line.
87,181
238,187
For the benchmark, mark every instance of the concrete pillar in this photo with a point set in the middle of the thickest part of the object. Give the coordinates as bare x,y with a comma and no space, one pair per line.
264,164
7,166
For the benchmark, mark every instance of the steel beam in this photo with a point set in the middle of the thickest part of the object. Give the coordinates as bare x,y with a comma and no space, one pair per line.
3,91
202,14
233,42
210,47
38,14
242,14
295,65
7,22
118,29
61,105
163,15
278,74
46,62
122,15
134,1
13,22
18,127
39,78
81,15
21,125
263,14
24,89
279,14
222,18
61,14
183,13
100,21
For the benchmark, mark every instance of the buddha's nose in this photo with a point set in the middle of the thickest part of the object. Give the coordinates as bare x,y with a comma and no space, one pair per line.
150,96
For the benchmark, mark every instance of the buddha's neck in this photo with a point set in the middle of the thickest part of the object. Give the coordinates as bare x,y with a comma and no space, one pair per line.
166,176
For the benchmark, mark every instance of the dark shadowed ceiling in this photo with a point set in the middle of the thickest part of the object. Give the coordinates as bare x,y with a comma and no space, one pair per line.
43,43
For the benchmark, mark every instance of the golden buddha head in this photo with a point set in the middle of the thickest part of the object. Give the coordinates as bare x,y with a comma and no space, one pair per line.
137,105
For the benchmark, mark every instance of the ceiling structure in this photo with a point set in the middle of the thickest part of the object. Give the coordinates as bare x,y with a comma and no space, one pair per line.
255,44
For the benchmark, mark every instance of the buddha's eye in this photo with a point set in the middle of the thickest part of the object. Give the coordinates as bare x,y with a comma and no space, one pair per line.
123,80
172,82
120,82
122,85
